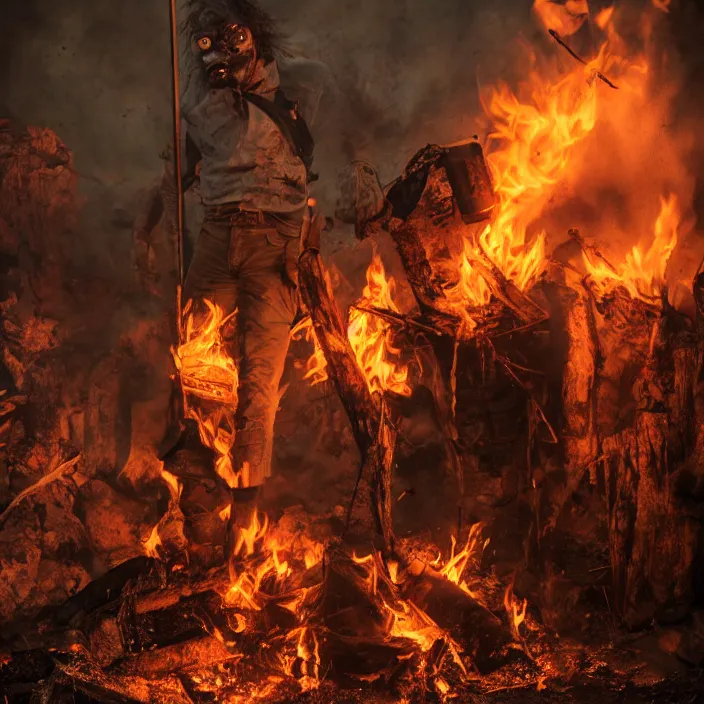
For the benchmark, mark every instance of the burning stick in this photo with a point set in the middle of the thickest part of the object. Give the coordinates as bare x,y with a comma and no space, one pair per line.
364,409
564,45
398,319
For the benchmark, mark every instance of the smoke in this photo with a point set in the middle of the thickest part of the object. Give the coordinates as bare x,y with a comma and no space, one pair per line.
406,73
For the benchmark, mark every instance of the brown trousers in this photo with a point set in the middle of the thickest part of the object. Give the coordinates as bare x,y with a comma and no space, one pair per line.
247,261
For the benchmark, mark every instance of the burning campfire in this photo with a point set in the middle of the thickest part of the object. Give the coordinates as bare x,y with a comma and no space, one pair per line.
562,377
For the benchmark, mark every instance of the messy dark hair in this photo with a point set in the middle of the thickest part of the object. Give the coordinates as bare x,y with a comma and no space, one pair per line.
206,15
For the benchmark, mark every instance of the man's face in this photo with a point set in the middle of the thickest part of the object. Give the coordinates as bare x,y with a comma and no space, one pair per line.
228,55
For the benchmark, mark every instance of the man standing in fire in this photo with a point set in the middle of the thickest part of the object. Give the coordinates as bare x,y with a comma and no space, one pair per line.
254,152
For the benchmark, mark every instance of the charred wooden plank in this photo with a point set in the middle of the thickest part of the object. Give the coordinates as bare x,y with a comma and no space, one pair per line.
364,409
620,477
579,392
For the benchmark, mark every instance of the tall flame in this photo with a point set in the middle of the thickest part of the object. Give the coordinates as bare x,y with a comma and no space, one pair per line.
371,335
210,374
642,272
534,141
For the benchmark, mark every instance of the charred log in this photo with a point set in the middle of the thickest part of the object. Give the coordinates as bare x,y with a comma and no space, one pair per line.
482,634
374,438
362,408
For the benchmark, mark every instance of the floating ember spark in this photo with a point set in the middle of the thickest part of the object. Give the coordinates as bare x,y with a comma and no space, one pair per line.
642,272
371,335
316,366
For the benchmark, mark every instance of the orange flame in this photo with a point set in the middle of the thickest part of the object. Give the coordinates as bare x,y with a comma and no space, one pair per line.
209,373
371,335
663,5
455,567
534,141
261,555
207,370
516,612
153,542
642,272
603,18
306,660
565,18
316,366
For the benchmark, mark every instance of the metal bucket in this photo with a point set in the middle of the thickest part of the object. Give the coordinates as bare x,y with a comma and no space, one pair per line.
469,178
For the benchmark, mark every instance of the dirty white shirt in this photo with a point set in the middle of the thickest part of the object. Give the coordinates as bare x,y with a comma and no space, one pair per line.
245,157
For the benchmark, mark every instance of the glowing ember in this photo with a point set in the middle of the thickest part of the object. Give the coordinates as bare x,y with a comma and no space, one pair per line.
642,272
316,366
371,335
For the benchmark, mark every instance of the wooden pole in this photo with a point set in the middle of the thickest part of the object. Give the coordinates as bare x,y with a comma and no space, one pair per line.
173,15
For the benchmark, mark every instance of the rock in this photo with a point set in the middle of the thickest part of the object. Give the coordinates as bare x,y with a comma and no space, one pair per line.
560,597
41,548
